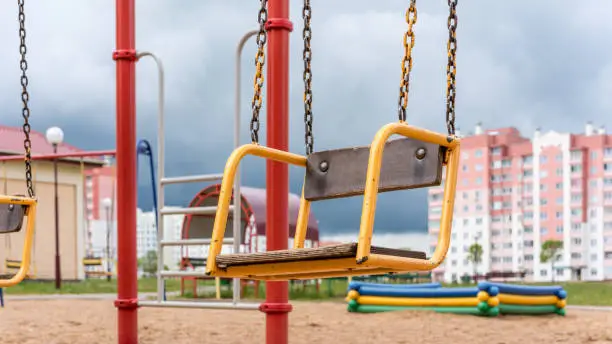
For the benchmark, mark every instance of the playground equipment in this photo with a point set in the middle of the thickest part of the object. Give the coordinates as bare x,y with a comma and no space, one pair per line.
12,266
431,151
90,260
528,300
412,162
487,299
162,210
143,147
100,265
95,267
13,209
374,297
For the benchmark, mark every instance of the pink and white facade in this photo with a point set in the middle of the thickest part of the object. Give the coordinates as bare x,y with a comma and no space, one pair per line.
514,193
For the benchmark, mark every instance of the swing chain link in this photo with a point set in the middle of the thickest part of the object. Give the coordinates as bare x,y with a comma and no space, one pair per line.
411,18
25,97
451,67
307,76
260,60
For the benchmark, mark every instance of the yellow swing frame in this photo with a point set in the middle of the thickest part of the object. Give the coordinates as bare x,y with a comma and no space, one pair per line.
365,261
30,213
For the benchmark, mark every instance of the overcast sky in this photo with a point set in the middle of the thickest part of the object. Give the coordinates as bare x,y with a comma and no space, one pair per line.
519,63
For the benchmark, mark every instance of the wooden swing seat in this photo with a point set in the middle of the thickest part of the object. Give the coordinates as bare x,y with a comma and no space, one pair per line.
415,161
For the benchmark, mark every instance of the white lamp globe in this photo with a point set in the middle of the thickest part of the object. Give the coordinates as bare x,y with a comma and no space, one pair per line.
107,203
55,135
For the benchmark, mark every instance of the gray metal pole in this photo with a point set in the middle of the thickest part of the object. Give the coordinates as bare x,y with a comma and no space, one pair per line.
237,195
161,292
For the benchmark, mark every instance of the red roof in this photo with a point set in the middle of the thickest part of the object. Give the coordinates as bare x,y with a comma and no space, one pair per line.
11,142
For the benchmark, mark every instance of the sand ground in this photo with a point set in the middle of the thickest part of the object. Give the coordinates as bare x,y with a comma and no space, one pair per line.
94,321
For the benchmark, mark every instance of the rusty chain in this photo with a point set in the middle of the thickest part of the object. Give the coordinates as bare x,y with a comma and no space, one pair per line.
307,76
260,60
451,67
411,18
25,97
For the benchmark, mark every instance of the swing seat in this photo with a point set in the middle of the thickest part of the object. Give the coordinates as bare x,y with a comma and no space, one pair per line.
12,264
92,261
13,209
414,161
11,218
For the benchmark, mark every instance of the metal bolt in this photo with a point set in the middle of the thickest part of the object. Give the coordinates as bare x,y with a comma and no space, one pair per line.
323,166
420,153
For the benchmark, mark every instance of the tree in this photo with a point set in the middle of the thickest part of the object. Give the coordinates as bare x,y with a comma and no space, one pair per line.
551,251
475,256
148,263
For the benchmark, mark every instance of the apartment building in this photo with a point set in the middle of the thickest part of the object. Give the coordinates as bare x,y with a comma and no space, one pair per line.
514,193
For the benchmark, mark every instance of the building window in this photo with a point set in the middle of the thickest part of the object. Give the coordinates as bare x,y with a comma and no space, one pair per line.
543,273
528,159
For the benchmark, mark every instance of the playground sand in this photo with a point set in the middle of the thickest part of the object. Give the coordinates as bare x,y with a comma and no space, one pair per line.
79,321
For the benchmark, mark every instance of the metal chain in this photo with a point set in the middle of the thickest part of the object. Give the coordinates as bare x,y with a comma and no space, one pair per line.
260,60
307,76
451,67
25,97
411,18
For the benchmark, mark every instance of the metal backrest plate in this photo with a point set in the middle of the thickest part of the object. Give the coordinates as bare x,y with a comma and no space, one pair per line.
11,218
407,164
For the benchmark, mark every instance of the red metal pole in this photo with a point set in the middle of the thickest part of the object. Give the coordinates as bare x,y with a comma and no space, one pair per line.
127,280
276,306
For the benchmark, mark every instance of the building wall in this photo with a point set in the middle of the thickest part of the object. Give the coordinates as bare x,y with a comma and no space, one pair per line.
71,219
514,193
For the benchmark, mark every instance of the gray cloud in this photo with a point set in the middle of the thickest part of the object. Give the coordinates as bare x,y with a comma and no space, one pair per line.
521,63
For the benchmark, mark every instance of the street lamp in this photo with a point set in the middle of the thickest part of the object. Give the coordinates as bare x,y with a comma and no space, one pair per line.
107,203
55,136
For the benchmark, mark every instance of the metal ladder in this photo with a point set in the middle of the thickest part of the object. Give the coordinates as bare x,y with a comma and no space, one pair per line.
162,210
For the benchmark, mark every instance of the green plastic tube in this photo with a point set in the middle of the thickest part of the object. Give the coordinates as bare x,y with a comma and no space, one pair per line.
454,310
530,310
